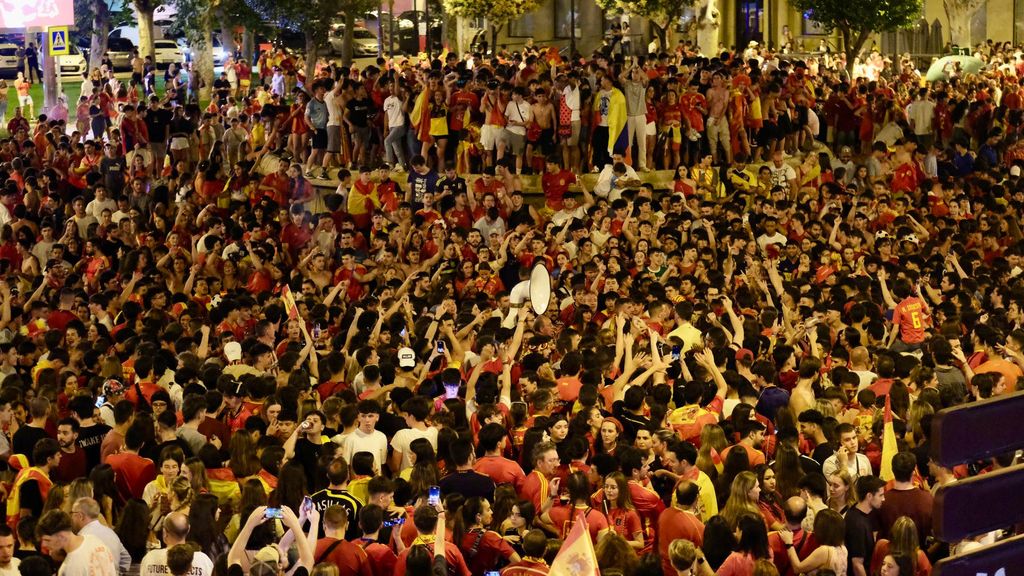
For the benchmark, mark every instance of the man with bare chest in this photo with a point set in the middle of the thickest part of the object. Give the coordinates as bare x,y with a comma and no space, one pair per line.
544,116
718,123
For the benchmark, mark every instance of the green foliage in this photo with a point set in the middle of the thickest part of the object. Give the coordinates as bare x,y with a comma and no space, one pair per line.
661,12
863,16
497,12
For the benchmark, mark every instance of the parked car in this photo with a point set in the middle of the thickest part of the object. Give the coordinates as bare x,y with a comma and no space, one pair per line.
165,52
8,60
364,42
73,64
132,33
121,51
219,54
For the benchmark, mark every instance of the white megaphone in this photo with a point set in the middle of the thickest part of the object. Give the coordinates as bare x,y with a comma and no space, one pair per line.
537,290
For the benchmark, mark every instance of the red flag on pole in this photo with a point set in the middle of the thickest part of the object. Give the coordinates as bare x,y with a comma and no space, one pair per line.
289,303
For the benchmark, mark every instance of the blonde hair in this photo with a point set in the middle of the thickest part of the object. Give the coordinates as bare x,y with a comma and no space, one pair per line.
325,569
682,554
739,504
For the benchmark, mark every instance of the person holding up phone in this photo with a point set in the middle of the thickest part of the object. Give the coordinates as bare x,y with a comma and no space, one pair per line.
270,559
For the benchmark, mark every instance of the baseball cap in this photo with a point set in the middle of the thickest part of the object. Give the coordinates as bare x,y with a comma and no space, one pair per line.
1014,170
233,351
744,354
406,358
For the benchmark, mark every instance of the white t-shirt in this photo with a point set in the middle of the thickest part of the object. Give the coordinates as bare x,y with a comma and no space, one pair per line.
91,558
518,113
403,438
782,176
334,111
571,96
393,108
375,443
154,563
12,568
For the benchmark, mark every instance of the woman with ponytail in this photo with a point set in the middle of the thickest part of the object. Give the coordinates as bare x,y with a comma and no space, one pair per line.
482,549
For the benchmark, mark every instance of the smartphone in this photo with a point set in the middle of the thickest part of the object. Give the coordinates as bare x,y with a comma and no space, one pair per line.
440,346
316,331
404,333
100,401
307,504
273,513
492,573
434,497
676,351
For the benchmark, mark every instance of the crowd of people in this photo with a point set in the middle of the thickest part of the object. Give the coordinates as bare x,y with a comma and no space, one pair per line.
210,367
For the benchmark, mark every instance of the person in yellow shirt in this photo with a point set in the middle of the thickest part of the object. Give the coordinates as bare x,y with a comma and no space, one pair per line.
686,331
680,462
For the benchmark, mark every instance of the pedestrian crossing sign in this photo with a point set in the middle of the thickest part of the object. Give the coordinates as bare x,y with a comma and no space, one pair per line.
59,40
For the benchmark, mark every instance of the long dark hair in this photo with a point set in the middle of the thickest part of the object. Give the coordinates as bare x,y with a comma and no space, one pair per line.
202,521
291,486
133,528
753,536
102,478
719,541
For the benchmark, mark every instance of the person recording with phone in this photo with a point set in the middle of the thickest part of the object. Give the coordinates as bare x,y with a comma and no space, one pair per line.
272,560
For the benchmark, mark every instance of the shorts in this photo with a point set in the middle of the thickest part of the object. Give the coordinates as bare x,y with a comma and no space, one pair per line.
319,139
489,136
159,149
361,134
515,142
25,100
334,139
573,139
137,77
651,129
179,143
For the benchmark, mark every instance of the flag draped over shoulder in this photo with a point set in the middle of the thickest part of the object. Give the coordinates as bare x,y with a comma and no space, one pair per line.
289,303
889,448
618,136
577,555
420,116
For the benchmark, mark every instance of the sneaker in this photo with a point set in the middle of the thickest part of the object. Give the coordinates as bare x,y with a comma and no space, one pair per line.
323,174
309,174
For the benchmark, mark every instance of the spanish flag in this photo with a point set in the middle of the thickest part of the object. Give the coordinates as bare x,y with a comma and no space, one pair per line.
289,303
618,136
577,555
420,116
889,448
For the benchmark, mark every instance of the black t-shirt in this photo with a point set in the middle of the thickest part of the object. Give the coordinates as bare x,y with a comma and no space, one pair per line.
860,536
31,498
90,439
157,122
326,498
113,170
223,88
360,111
25,439
822,452
308,454
469,484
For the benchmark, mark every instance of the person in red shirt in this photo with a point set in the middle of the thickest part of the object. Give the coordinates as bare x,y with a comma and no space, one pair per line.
492,439
486,547
562,518
332,548
429,525
144,382
532,564
555,182
132,472
540,484
910,316
680,521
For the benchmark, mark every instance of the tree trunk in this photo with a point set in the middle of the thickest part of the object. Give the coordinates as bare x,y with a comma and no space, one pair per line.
960,13
144,13
495,28
346,44
203,63
100,29
312,53
248,45
227,35
391,28
463,39
50,91
662,35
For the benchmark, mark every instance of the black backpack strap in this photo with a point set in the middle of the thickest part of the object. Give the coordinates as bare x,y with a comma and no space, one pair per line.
328,551
476,546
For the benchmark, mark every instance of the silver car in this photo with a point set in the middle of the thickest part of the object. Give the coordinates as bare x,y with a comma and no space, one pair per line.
121,51
364,42
8,60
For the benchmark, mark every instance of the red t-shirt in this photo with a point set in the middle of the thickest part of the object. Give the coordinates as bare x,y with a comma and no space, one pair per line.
563,517
131,473
911,316
348,557
555,186
490,547
501,470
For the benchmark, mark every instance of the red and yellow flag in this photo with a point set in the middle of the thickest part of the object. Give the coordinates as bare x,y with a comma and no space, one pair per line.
889,447
577,555
289,303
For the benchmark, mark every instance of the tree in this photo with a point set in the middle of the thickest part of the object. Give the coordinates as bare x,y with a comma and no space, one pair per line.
856,21
497,12
662,14
144,13
960,13
93,17
195,19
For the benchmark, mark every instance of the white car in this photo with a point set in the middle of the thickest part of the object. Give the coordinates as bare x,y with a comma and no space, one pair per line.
166,52
364,42
8,60
73,64
219,55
